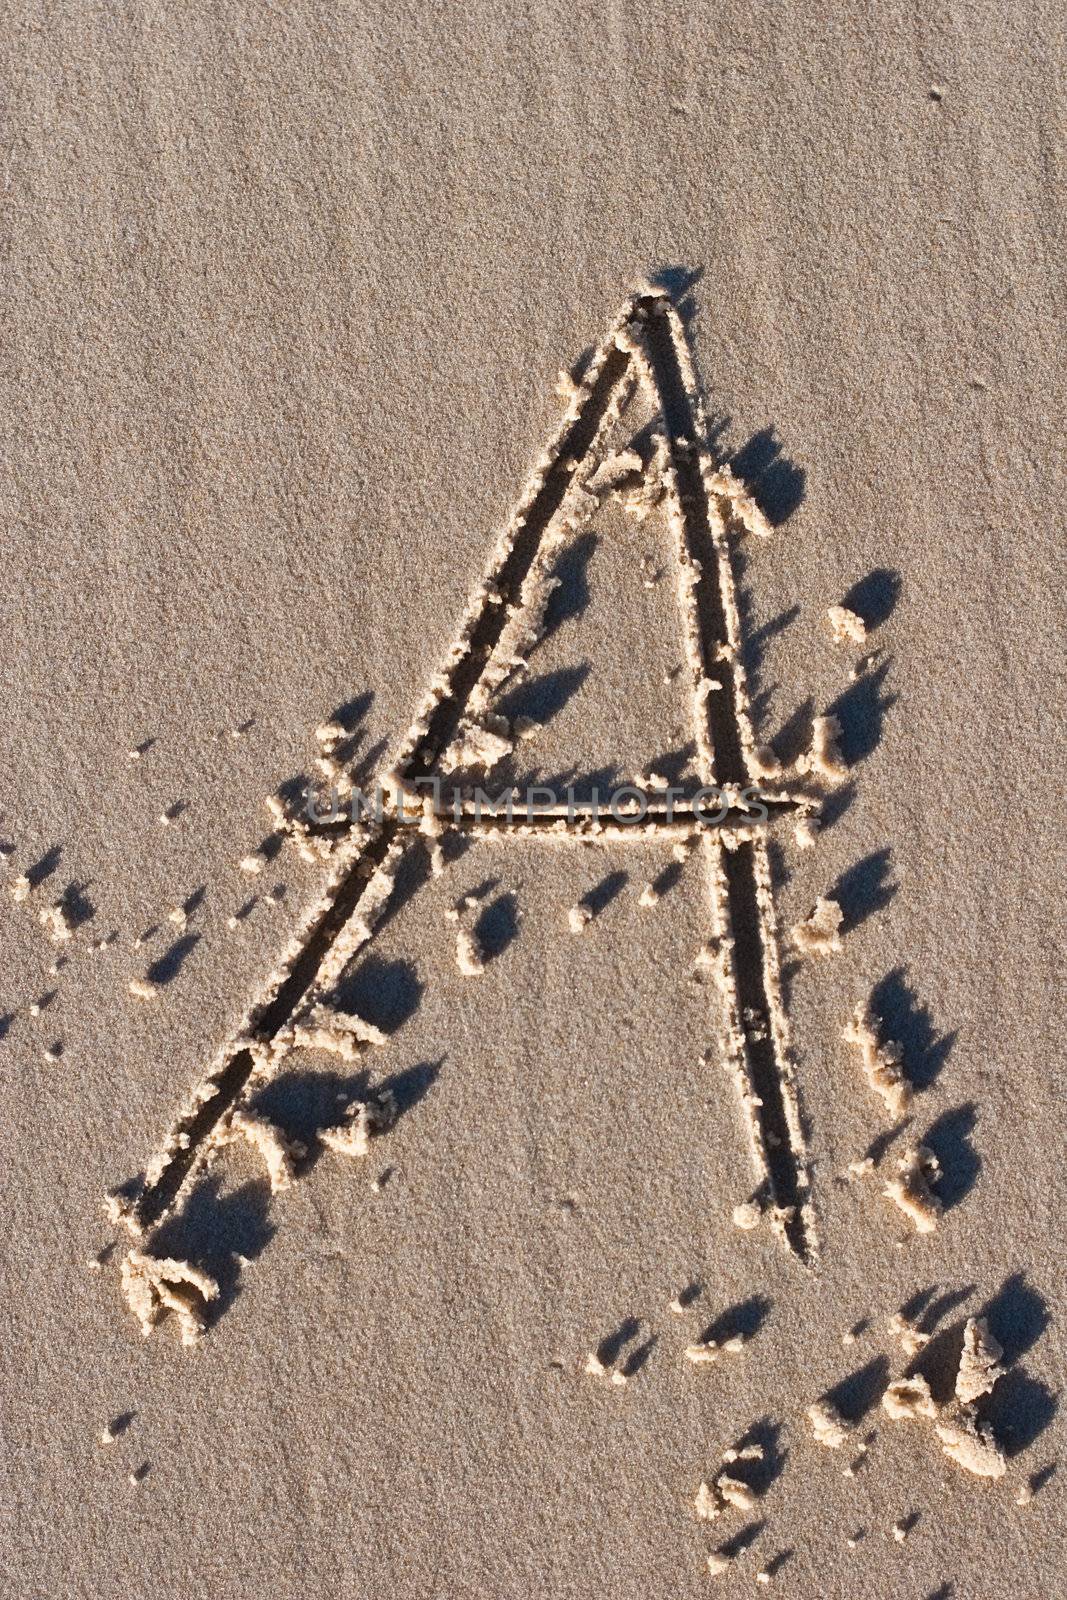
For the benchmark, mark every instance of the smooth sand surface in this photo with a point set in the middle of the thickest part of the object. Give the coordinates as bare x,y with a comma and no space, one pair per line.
286,293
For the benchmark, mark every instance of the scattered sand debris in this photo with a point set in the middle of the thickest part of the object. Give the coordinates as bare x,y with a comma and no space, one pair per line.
747,1215
911,1340
707,1503
980,1365
144,988
178,916
901,1528
597,1368
918,1168
579,917
847,626
881,1062
764,762
525,728
711,1500
278,1152
329,735
908,1399
707,1352
253,863
479,744
157,1284
566,387
764,1575
117,1208
470,958
364,1119
860,1168
432,827
1024,1494
717,1563
649,896
824,759
109,1433
613,470
828,1425
725,483
736,1492
21,888
820,934
55,920
744,1452
806,833
341,1033
52,1053
968,1444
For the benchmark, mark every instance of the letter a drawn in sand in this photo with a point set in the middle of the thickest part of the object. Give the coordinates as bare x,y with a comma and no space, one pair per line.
646,350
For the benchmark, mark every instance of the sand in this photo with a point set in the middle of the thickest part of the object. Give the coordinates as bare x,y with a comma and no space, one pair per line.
287,293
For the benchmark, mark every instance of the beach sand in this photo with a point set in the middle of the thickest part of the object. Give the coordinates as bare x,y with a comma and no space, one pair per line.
287,295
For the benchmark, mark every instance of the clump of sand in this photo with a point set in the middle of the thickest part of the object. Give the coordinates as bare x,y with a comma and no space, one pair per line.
917,1169
55,920
470,957
908,1399
971,1446
846,625
278,1152
881,1062
340,1033
911,1339
828,1425
980,1365
364,1119
806,833
824,759
963,1438
154,1285
820,934
747,1215
727,1489
707,1352
481,744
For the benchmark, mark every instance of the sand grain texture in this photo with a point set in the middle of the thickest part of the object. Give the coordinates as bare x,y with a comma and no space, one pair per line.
286,293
